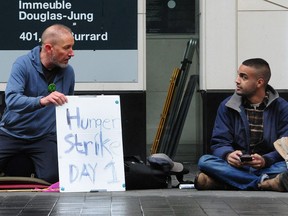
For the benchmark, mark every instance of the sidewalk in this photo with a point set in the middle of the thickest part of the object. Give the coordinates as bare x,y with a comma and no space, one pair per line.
180,202
168,202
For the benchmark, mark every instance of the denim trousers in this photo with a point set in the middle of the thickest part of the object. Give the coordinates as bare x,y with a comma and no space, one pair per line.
42,151
244,178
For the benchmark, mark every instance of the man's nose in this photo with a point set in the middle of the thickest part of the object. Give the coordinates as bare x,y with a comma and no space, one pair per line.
237,79
71,53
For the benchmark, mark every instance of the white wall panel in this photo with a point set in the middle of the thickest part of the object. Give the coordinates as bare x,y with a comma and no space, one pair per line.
232,31
265,34
218,44
262,4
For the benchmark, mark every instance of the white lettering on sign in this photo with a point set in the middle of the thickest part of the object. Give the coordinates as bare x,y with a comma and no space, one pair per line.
56,11
25,12
91,37
45,5
33,36
43,17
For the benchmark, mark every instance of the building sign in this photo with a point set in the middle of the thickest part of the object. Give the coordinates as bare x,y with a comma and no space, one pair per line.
97,25
105,32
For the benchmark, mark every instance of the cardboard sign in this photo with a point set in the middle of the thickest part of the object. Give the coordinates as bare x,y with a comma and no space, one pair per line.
90,150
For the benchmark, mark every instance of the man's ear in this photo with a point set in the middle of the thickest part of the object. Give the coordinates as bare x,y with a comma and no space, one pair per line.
260,82
48,47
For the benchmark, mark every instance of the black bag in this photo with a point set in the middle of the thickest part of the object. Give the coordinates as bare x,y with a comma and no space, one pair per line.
163,162
139,175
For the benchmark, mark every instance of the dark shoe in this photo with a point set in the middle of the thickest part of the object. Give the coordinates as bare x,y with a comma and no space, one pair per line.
273,184
205,182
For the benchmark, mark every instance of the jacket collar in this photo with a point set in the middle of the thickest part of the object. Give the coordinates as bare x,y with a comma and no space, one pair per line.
235,102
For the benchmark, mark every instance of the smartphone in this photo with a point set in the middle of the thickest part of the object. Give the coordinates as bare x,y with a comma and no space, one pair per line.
246,158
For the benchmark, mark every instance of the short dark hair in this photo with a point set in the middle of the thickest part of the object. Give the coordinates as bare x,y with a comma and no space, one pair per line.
262,66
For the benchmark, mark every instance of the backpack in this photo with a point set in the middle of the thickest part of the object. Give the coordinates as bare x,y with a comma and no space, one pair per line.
139,175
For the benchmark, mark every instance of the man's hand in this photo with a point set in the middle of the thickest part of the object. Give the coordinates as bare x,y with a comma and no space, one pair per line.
257,162
234,158
55,98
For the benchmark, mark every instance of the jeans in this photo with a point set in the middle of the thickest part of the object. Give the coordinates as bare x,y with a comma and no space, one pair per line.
42,151
245,178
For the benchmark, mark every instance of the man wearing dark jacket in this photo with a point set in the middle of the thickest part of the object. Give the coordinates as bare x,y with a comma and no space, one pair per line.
246,125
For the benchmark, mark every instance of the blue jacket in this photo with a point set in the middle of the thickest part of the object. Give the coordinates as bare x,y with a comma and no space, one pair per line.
231,129
24,117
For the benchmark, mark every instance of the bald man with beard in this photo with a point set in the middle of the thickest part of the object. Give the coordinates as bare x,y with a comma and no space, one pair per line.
39,81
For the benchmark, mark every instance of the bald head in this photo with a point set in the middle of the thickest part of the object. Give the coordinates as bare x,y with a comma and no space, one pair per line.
54,33
57,46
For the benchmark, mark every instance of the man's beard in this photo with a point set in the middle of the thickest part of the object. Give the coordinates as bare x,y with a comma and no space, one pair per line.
246,94
58,64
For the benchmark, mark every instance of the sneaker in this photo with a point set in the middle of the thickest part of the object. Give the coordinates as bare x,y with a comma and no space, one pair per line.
205,182
273,184
281,145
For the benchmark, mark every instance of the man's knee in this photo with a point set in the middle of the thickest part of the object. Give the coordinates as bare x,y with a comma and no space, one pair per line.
203,161
50,177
